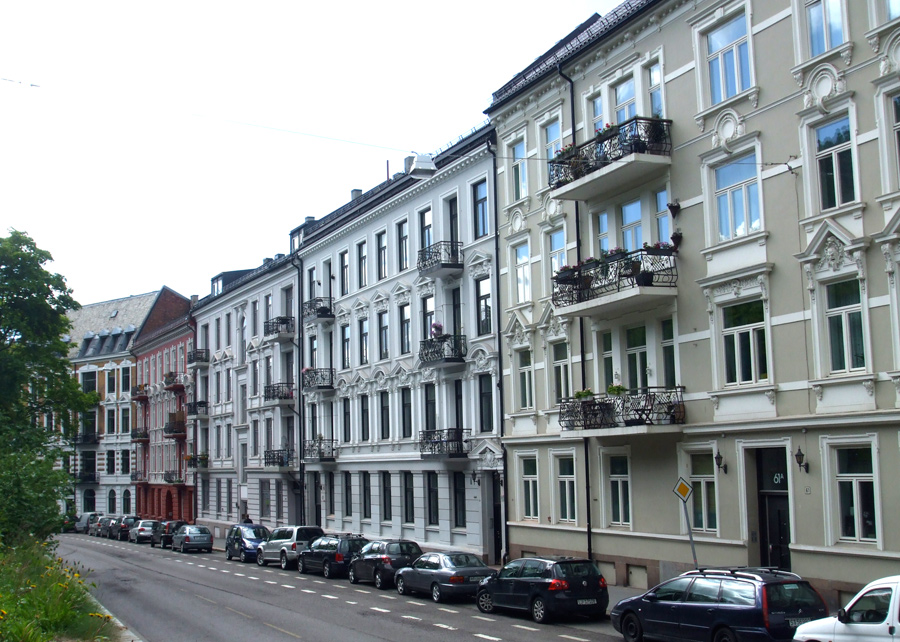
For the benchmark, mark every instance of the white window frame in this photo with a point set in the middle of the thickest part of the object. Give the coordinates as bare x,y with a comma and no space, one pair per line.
525,384
625,109
607,480
833,154
529,487
522,281
843,313
685,450
637,371
803,33
567,494
753,330
655,88
752,222
810,120
633,232
602,232
518,169
663,216
560,384
829,445
556,254
594,101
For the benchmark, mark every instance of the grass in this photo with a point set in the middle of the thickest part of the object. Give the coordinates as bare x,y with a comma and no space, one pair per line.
43,598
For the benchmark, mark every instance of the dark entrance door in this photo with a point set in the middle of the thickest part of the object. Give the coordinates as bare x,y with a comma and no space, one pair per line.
774,506
497,519
317,494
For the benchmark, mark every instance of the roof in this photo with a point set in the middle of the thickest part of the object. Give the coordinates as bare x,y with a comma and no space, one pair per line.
109,327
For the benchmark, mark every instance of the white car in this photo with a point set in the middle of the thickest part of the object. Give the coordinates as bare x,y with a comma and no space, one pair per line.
871,615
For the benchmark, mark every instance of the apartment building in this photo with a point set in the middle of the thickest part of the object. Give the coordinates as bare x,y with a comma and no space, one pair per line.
400,362
693,197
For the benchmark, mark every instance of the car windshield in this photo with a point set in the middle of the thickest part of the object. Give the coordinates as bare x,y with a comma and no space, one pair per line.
255,532
575,570
464,559
198,529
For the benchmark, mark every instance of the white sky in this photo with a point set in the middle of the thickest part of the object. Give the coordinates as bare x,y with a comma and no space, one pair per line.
171,141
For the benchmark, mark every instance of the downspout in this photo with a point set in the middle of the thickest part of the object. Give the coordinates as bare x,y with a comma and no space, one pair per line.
587,459
192,323
299,368
500,393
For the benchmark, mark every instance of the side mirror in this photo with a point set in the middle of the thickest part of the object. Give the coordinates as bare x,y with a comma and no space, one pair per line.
651,597
842,616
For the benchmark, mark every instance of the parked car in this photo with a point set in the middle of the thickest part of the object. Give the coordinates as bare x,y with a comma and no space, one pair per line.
443,575
721,605
546,587
285,543
142,530
379,560
242,540
871,615
331,554
68,522
163,531
105,524
120,528
192,538
86,520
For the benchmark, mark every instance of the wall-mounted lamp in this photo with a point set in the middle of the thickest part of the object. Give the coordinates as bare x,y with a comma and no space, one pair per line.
475,479
799,456
674,208
721,466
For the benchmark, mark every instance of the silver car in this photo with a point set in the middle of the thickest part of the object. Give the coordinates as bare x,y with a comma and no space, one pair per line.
191,538
285,543
141,531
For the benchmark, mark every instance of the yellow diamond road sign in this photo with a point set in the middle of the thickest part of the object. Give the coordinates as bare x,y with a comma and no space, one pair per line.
683,489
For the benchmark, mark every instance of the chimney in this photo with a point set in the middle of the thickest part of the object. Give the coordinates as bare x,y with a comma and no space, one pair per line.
355,194
310,219
408,163
266,261
194,299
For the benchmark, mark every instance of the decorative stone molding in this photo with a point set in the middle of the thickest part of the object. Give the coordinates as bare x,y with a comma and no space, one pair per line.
819,391
770,395
728,126
887,250
715,401
869,385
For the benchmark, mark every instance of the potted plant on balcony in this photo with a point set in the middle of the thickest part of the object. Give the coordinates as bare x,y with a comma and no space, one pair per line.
203,460
564,152
584,395
616,389
660,248
589,263
564,274
615,253
437,332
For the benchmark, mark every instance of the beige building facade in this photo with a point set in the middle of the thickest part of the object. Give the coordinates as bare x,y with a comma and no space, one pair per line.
699,206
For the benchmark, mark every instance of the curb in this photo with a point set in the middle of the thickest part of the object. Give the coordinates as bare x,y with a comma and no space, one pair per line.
121,633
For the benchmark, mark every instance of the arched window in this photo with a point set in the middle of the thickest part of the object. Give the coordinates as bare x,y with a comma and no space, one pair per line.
126,502
89,503
111,502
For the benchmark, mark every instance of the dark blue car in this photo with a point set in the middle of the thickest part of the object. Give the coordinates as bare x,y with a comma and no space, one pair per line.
242,541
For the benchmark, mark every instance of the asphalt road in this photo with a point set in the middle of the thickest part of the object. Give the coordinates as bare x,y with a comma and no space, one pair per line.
164,596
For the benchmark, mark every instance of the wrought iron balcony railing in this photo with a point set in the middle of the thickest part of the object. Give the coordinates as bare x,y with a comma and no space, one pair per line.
175,428
452,442
197,461
282,457
447,348
138,476
321,378
140,435
320,449
318,308
278,392
440,254
638,407
141,392
173,477
279,325
173,381
646,267
197,357
88,477
198,407
638,135
87,438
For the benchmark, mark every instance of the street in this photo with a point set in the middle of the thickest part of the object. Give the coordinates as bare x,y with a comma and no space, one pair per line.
163,596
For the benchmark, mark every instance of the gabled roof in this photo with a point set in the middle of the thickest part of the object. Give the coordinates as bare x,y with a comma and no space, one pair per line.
109,327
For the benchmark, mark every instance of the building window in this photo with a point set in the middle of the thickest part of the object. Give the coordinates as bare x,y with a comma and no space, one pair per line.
834,157
384,399
483,303
856,493
480,208
703,498
346,425
519,171
744,337
433,498
427,315
364,417
895,104
565,486
204,494
552,140
345,346
218,334
561,388
893,9
603,232
523,273
265,498
270,433
529,488
227,333
111,502
485,403
366,493
126,501
229,498
110,421
409,499
606,345
110,382
459,500
619,493
632,226
381,259
663,230
348,494
363,342
430,406
254,439
654,78
668,352
405,340
425,229
386,509
344,268
402,245
557,240
625,103
826,26
111,462
636,357
329,500
597,114
526,394
278,502
254,318
728,59
737,198
383,339
126,462
362,265
845,326
406,412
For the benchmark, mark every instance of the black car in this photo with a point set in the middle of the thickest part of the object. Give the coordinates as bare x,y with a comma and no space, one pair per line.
721,605
546,587
379,560
242,540
331,554
443,575
122,527
163,532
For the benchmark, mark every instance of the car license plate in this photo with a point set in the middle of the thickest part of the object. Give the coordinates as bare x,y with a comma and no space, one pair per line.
476,578
797,621
587,601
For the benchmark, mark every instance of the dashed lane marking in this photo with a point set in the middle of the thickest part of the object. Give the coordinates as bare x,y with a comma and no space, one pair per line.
375,608
390,597
330,597
446,610
351,602
363,591
445,626
572,637
271,582
308,591
249,617
288,586
411,617
485,619
522,626
239,575
205,598
253,578
488,637
272,626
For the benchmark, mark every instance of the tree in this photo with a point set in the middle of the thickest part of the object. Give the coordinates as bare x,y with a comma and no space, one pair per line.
35,384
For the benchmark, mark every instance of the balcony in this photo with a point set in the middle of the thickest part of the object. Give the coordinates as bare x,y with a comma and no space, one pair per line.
198,410
319,450
173,477
140,477
198,358
441,259
444,444
622,283
87,438
279,329
173,382
618,159
282,458
444,351
140,436
650,410
88,478
320,379
319,310
197,461
278,394
140,393
175,428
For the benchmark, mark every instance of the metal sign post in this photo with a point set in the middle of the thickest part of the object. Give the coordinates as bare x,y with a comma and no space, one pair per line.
684,491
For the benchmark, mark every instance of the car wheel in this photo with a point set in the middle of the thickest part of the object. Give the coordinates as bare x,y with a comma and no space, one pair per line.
436,593
401,585
182,548
485,602
152,544
209,550
351,575
326,570
724,635
284,561
539,611
243,556
632,630
301,566
380,582
259,558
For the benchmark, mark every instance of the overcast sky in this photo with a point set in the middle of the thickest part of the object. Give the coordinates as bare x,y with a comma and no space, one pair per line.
149,144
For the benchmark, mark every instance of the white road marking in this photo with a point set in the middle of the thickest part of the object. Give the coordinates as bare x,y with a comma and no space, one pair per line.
389,597
351,602
239,575
486,619
375,608
288,586
411,617
320,581
225,570
271,582
201,566
308,591
572,637
447,610
362,591
253,578
527,628
330,597
446,626
489,637
413,602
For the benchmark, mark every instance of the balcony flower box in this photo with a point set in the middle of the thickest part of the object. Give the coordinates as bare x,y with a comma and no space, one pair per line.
660,248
